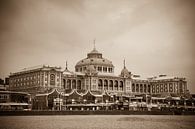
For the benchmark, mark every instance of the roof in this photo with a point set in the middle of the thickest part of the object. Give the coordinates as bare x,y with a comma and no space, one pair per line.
31,68
46,94
95,61
13,92
74,91
107,74
158,98
94,51
96,94
139,78
14,104
125,72
67,72
36,68
166,78
79,73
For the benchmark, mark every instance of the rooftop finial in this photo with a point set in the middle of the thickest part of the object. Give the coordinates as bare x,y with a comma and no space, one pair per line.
94,44
124,63
66,65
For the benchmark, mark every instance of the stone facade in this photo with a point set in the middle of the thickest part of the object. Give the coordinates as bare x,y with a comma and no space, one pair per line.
35,79
94,73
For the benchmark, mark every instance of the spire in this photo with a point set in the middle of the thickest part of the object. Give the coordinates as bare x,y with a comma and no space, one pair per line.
94,48
66,65
124,64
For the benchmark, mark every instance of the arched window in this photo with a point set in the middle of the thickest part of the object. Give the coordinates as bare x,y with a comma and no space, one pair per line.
79,84
52,79
115,85
121,85
110,85
137,87
64,83
105,84
145,88
69,84
74,84
141,88
133,87
100,85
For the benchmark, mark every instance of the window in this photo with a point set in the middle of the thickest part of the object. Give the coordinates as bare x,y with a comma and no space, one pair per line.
157,88
99,68
145,88
141,88
137,87
105,69
161,88
133,87
110,70
170,87
165,88
52,79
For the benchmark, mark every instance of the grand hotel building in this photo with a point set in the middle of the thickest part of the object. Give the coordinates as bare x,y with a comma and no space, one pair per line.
93,73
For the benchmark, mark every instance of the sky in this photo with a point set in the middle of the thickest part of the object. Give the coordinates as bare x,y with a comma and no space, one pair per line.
153,36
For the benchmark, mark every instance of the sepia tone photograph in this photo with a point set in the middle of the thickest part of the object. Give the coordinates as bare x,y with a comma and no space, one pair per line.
97,64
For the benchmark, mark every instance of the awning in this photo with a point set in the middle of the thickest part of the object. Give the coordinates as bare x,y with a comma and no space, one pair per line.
157,98
14,104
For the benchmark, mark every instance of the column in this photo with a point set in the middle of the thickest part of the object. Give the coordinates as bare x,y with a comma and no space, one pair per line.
48,79
177,87
173,87
119,85
66,82
43,79
112,85
108,85
70,83
60,80
76,83
146,88
55,80
103,84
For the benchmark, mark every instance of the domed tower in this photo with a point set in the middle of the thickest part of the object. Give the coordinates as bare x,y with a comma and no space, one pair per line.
125,72
95,59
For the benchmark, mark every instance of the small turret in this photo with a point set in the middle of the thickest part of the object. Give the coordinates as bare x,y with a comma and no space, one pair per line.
125,72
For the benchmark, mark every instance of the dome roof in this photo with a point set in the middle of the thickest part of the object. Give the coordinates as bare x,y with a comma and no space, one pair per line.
95,61
94,51
67,72
125,72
